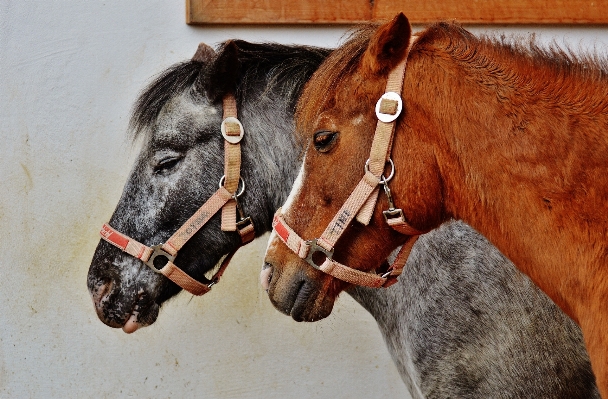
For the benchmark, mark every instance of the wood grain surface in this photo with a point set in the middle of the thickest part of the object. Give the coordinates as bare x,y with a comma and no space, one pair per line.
358,11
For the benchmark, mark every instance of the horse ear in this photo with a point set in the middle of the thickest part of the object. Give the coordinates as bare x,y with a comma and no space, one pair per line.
388,46
225,71
204,53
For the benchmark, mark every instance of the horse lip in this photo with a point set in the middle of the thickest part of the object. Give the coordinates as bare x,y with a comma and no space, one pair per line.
132,324
266,276
299,308
143,314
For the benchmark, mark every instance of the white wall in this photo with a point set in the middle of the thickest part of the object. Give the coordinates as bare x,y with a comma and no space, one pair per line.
69,73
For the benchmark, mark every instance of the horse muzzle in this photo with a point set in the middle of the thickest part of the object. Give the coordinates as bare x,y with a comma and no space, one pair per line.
123,290
296,289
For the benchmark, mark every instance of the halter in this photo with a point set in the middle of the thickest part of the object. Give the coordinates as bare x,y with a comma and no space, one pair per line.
225,198
319,252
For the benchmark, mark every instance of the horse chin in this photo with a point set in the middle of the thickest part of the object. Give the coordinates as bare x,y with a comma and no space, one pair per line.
139,319
296,294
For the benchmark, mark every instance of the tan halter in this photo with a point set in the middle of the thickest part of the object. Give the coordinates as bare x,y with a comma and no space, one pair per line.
318,252
225,198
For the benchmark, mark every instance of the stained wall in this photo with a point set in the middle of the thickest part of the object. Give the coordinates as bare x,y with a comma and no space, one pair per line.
69,73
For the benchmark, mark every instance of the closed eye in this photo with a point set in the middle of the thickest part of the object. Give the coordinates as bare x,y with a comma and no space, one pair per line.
325,140
166,164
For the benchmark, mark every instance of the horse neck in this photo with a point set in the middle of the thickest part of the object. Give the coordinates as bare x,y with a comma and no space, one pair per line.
271,155
520,155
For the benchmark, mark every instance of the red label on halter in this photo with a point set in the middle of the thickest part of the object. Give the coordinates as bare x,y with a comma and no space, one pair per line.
280,229
108,234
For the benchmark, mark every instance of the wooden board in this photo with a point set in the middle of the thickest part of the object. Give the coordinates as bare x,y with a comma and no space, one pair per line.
421,11
276,11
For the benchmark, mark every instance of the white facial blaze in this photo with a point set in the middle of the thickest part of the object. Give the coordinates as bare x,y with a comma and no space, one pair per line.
295,189
358,120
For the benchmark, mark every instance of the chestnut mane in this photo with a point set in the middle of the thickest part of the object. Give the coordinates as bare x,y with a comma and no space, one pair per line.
549,70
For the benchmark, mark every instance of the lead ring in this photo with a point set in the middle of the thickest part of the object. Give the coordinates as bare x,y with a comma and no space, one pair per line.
240,181
383,179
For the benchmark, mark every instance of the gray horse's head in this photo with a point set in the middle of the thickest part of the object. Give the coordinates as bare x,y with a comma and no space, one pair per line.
181,162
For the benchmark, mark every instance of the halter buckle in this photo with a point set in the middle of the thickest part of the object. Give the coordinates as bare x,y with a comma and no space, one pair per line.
393,214
315,248
386,113
244,222
246,229
232,130
157,251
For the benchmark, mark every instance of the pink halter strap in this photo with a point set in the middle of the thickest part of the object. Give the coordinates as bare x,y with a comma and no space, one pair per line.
319,252
225,198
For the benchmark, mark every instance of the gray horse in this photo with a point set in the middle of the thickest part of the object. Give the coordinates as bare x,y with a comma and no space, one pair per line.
461,323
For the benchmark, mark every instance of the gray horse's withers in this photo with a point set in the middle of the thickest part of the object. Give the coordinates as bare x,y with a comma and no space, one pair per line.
461,323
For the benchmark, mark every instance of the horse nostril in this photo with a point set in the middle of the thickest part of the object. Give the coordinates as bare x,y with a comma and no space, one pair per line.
102,292
266,276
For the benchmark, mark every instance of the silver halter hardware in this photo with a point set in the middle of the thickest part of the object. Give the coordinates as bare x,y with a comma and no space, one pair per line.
315,248
235,195
158,251
389,96
232,139
383,179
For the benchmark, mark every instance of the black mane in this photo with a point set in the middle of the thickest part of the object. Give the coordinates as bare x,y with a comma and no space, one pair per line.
241,65
237,67
171,82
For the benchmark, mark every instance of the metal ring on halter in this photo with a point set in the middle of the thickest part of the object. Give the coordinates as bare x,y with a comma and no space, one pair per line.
158,251
316,248
232,139
240,181
389,96
383,180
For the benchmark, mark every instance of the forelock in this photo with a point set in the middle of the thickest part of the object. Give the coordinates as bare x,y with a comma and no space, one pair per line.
340,63
170,83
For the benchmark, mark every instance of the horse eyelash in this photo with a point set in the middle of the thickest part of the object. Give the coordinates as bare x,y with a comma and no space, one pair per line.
166,164
327,146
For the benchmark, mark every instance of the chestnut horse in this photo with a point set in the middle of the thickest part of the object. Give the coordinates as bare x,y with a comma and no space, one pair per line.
508,137
461,323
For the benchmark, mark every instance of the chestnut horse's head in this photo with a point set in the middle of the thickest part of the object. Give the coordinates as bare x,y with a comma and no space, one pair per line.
336,112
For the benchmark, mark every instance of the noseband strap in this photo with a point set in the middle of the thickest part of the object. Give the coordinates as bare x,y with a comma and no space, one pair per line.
225,198
362,201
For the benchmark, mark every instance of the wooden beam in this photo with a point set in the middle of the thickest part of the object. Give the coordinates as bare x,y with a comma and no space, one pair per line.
277,11
418,12
497,11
